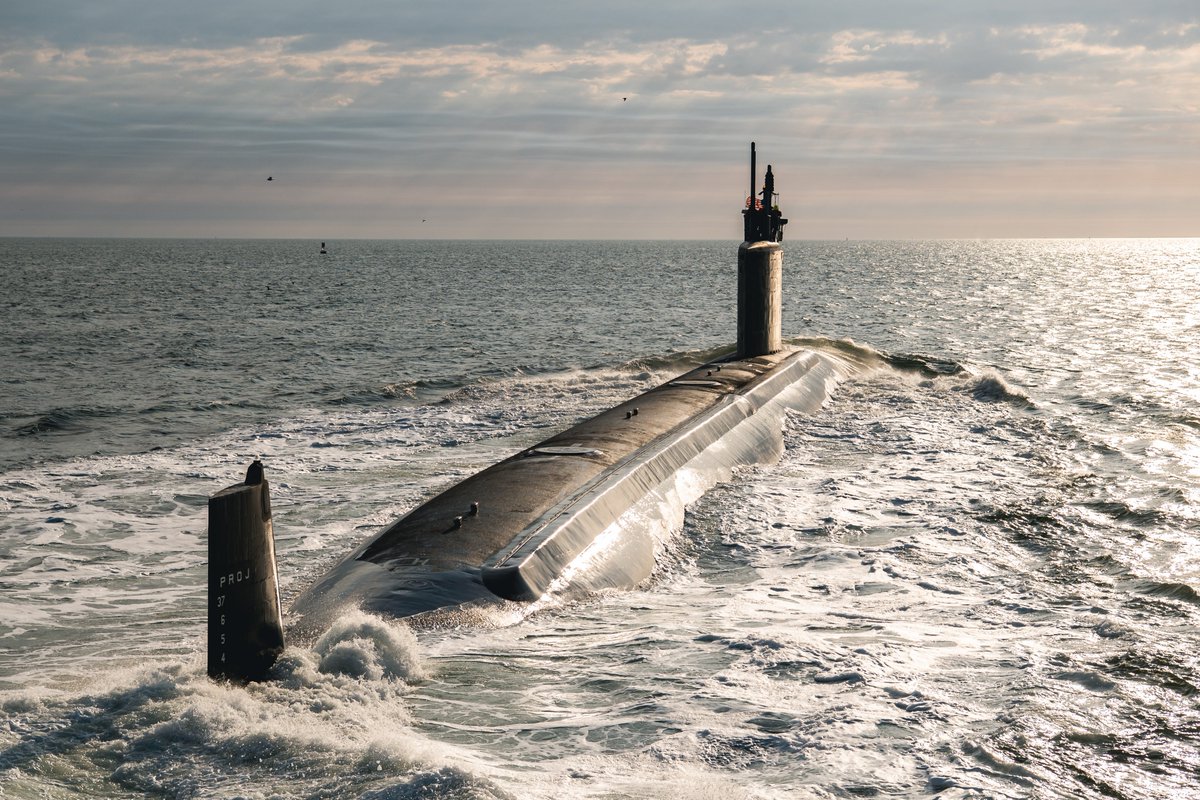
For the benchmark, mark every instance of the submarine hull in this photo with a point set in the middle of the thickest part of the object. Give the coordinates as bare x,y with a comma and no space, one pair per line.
563,515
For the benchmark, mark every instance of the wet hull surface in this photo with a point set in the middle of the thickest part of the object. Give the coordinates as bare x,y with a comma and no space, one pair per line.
522,527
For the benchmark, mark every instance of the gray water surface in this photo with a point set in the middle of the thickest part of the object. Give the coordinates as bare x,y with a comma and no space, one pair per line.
974,573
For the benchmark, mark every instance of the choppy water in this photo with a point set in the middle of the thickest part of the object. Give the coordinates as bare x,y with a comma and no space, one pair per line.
974,573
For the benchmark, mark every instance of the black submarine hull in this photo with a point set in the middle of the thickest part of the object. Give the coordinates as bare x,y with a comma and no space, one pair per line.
552,519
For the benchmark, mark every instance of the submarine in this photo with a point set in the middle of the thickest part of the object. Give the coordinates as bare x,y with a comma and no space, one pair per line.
564,516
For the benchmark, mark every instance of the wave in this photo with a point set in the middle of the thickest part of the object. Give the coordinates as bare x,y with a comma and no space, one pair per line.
991,387
927,366
77,419
679,361
988,386
201,406
360,645
614,381
856,357
450,388
865,358
1165,668
170,731
64,420
404,391
1124,512
1169,589
1187,419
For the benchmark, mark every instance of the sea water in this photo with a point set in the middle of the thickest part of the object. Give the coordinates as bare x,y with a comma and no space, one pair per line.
974,573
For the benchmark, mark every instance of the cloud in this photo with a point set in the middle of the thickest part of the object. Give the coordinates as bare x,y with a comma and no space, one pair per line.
501,96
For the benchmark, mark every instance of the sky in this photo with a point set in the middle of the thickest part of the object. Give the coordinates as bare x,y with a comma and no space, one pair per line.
612,119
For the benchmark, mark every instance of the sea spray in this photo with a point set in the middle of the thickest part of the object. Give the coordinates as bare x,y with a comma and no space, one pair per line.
313,730
365,646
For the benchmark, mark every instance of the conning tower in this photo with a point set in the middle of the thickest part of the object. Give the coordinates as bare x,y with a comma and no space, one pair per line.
760,270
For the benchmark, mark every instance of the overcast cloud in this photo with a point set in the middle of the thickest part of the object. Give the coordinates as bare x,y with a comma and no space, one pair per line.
616,120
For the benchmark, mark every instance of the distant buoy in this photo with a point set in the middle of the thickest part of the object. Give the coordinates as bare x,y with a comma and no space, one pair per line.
322,248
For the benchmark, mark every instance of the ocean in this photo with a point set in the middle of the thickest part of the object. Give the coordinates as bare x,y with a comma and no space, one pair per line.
974,573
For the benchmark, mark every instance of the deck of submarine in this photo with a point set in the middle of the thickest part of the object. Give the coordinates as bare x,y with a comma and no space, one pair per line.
511,495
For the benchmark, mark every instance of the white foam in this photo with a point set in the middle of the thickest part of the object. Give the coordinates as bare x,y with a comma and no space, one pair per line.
364,646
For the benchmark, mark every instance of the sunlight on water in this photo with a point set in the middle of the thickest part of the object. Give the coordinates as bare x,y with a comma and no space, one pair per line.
974,573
